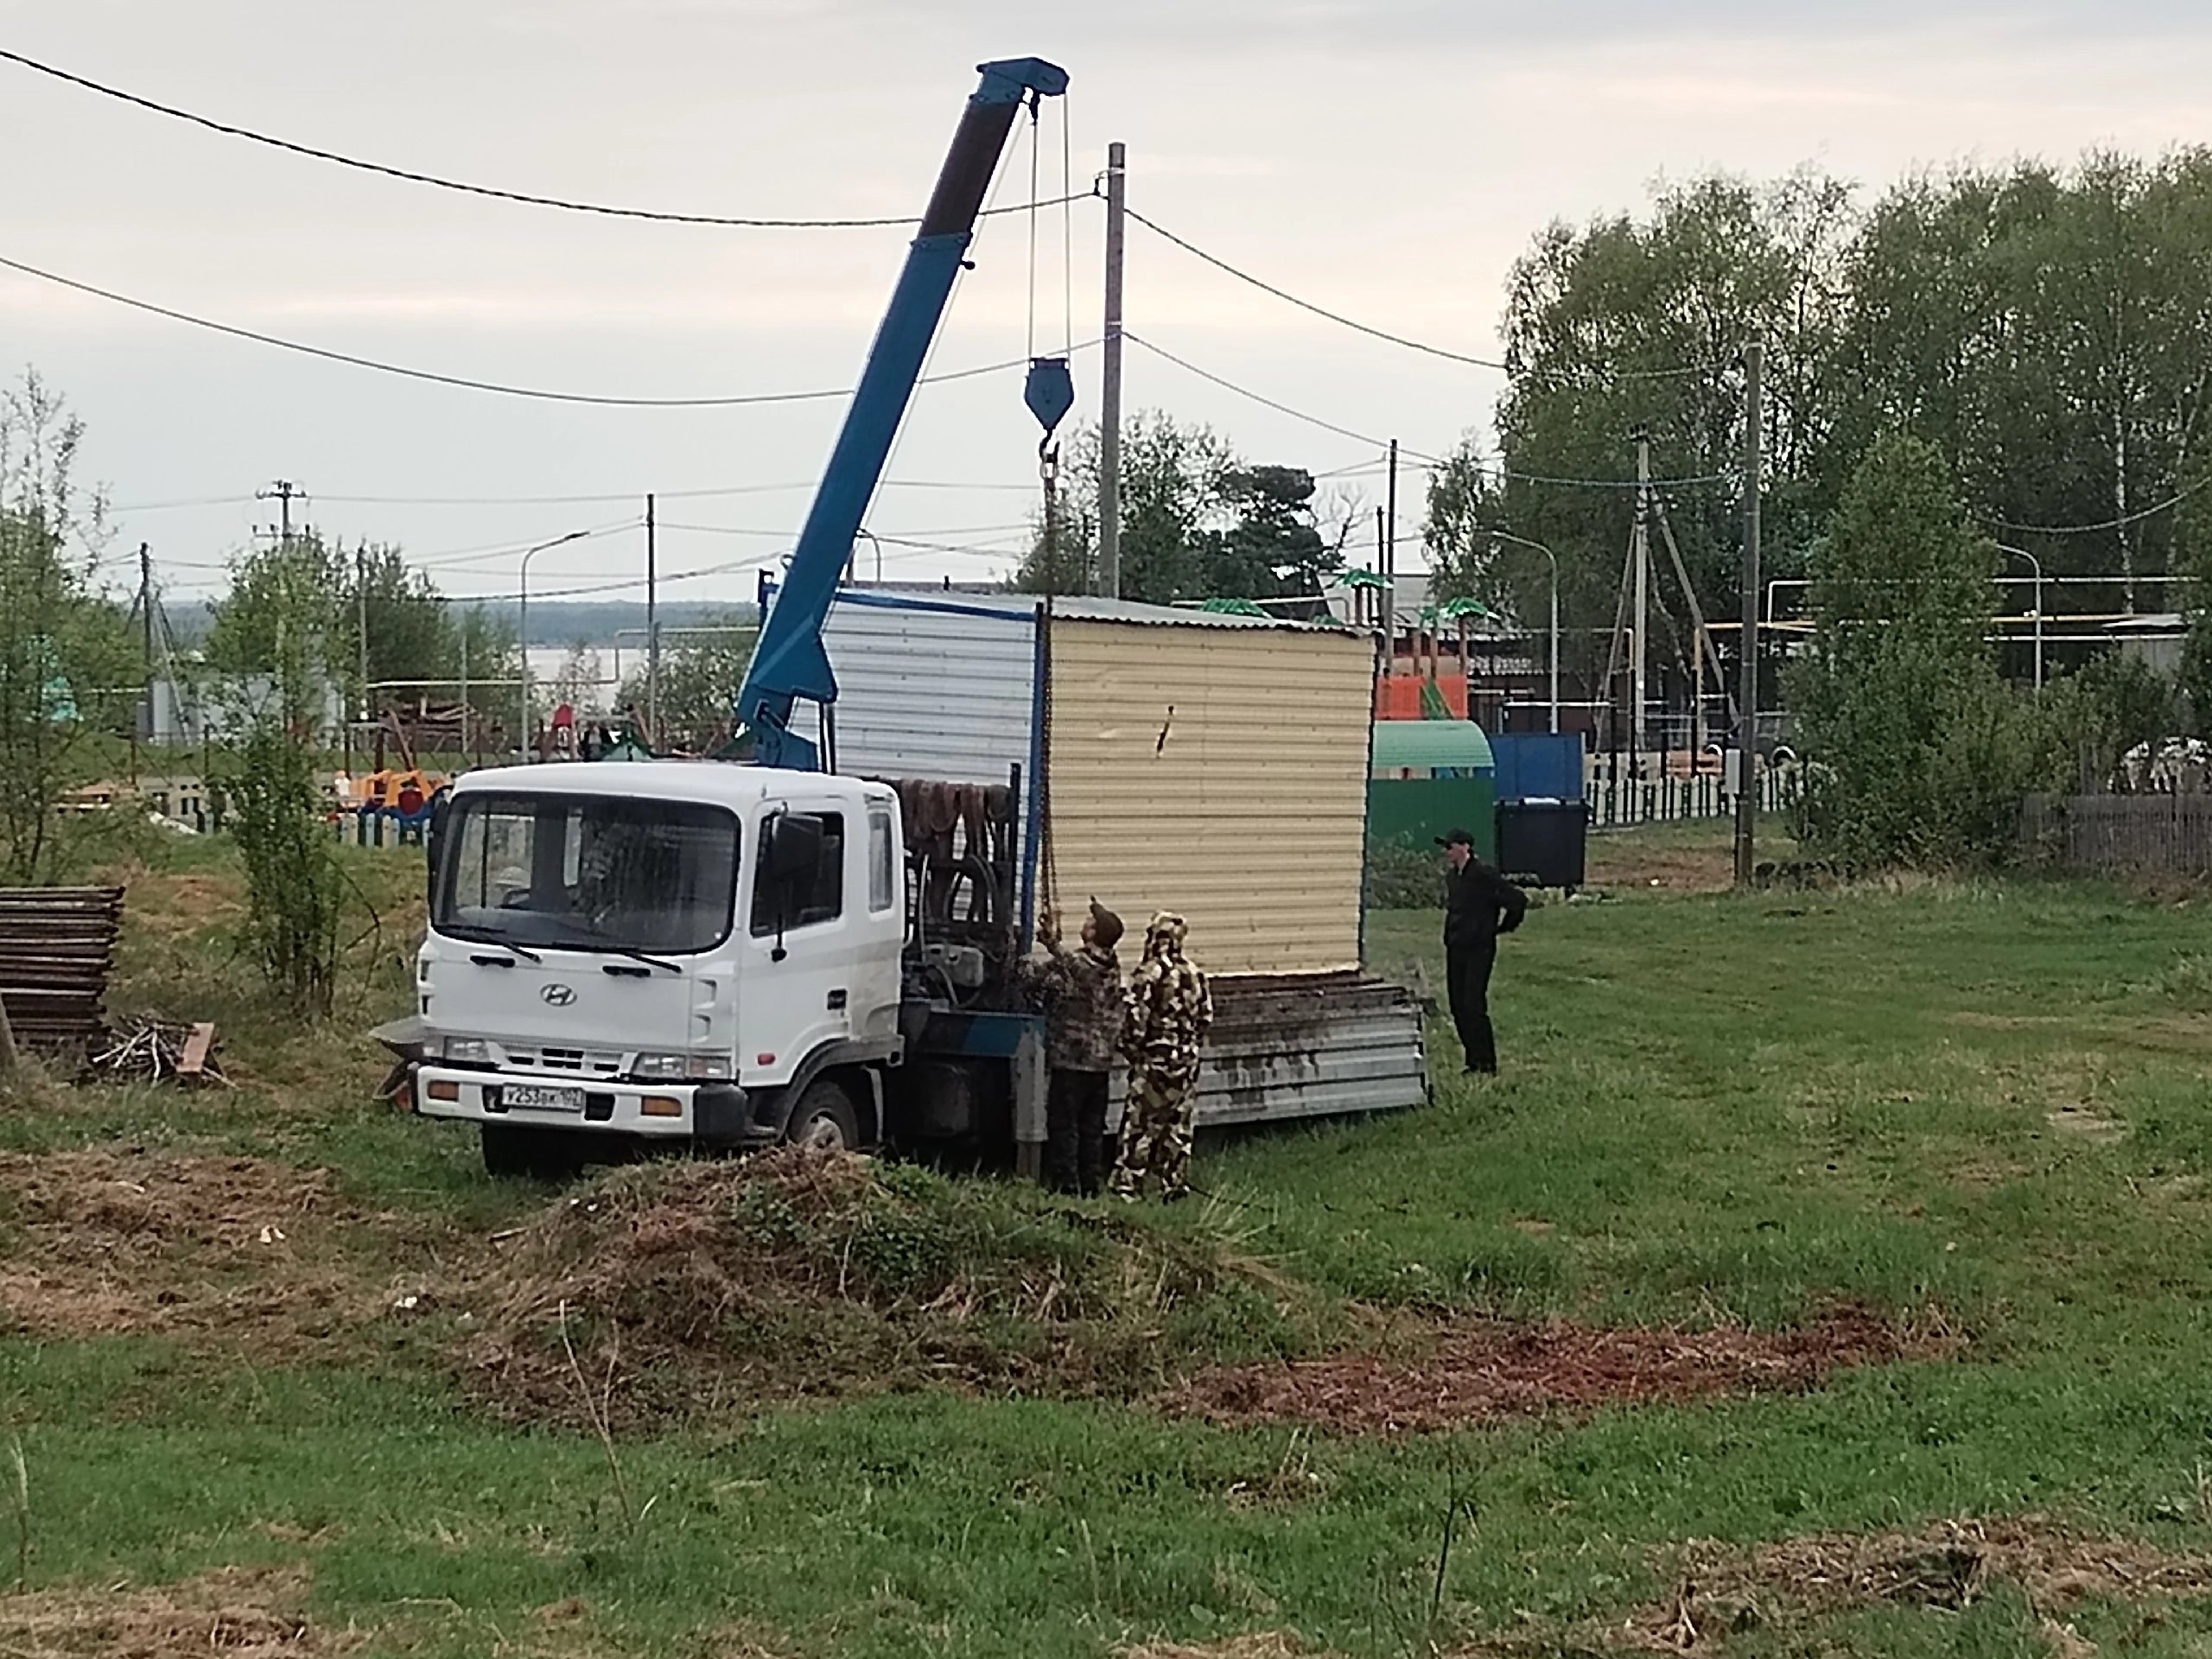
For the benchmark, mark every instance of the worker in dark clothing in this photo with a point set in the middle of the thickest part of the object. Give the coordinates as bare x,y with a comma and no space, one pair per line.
1081,994
1479,903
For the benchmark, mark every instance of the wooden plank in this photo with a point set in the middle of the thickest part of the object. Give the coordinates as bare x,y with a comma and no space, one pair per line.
197,1048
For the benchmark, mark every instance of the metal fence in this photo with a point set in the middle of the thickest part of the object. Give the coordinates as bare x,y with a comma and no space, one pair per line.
1622,803
2152,835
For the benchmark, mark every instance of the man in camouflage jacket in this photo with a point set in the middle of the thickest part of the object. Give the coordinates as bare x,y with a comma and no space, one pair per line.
1168,1009
1080,992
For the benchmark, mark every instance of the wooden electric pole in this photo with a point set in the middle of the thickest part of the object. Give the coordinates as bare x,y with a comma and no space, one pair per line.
1747,696
1110,385
652,631
1640,556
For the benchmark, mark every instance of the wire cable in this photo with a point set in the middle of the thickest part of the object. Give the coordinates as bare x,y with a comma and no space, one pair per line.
2120,523
564,203
1288,298
1190,367
1414,458
572,501
538,393
1370,329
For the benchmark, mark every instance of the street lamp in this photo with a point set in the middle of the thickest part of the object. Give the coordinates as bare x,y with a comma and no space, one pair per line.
522,628
1522,541
2036,564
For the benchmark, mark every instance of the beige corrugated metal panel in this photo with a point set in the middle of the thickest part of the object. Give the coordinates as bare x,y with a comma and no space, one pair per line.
1248,817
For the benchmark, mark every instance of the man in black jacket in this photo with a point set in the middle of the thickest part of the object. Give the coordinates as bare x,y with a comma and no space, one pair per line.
1479,903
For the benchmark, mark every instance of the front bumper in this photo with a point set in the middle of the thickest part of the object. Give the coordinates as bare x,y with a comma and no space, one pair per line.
712,1114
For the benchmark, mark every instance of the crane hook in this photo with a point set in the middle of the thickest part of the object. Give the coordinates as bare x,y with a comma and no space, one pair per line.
1050,394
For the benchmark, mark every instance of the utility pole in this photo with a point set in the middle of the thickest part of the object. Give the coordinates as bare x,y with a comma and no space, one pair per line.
142,719
146,604
1110,385
283,491
1389,540
1383,607
467,721
361,624
653,630
1747,799
1640,664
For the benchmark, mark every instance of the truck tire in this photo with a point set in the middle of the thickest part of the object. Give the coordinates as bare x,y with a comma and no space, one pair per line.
515,1151
825,1119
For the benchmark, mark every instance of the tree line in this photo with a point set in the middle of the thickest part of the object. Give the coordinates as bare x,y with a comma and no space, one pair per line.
1198,522
2047,330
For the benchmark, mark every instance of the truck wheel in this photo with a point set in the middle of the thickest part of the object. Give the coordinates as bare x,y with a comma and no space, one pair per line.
513,1150
823,1120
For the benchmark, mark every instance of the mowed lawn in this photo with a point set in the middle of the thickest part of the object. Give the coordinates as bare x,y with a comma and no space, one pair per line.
1979,1110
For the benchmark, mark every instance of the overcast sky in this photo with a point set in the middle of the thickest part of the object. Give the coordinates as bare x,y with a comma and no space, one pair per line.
1388,158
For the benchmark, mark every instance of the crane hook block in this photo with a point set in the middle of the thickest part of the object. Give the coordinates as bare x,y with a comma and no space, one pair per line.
1050,392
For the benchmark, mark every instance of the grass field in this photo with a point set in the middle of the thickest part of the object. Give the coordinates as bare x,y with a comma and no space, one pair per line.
270,1385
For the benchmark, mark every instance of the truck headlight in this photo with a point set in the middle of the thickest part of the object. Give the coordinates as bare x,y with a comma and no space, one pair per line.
681,1068
468,1050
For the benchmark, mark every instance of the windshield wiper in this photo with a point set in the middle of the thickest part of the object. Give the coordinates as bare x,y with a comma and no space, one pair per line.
636,955
488,935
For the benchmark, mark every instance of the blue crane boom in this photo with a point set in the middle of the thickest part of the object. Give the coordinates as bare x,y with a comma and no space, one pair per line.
790,663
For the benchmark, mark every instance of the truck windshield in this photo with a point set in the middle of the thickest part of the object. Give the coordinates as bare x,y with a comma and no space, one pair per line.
586,873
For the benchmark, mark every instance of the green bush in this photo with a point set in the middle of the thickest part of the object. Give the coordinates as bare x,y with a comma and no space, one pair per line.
1923,755
295,890
1401,876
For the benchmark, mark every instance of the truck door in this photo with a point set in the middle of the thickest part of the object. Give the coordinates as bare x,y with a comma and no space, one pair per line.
806,940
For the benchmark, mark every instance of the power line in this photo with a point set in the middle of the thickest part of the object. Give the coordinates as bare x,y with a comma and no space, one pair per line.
1246,391
1423,462
1288,298
1370,329
538,393
2120,523
785,534
570,500
524,198
450,558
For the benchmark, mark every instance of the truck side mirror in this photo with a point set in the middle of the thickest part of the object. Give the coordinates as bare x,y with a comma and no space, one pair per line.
792,850
790,856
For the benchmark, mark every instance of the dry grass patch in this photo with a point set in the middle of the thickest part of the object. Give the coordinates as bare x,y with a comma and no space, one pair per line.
128,1241
1479,1371
234,1612
670,1288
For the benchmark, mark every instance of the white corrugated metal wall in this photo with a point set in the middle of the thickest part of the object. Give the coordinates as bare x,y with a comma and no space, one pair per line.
927,691
1216,771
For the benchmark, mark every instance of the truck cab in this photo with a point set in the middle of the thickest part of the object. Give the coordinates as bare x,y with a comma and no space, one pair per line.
665,950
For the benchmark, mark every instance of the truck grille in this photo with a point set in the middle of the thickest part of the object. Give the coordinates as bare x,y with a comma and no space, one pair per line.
581,1061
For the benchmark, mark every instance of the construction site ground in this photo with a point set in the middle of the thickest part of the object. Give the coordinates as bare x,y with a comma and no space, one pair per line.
1826,1273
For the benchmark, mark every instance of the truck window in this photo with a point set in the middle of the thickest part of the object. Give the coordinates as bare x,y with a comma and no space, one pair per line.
824,901
586,873
881,852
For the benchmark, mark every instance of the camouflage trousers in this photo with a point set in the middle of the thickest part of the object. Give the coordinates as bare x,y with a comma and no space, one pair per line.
1156,1124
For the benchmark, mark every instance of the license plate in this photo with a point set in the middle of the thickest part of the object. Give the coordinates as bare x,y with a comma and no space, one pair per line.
540,1097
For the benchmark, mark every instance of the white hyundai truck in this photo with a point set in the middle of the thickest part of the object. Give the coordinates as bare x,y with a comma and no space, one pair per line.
694,952
688,958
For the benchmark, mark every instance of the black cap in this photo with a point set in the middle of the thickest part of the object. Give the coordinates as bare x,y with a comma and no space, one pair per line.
1455,838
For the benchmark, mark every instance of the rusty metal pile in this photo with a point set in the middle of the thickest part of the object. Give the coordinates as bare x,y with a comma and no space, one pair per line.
57,948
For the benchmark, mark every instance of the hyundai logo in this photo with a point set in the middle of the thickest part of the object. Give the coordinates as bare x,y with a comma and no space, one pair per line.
558,996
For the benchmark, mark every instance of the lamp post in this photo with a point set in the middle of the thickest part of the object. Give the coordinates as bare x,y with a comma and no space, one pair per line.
521,629
1552,559
2036,564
